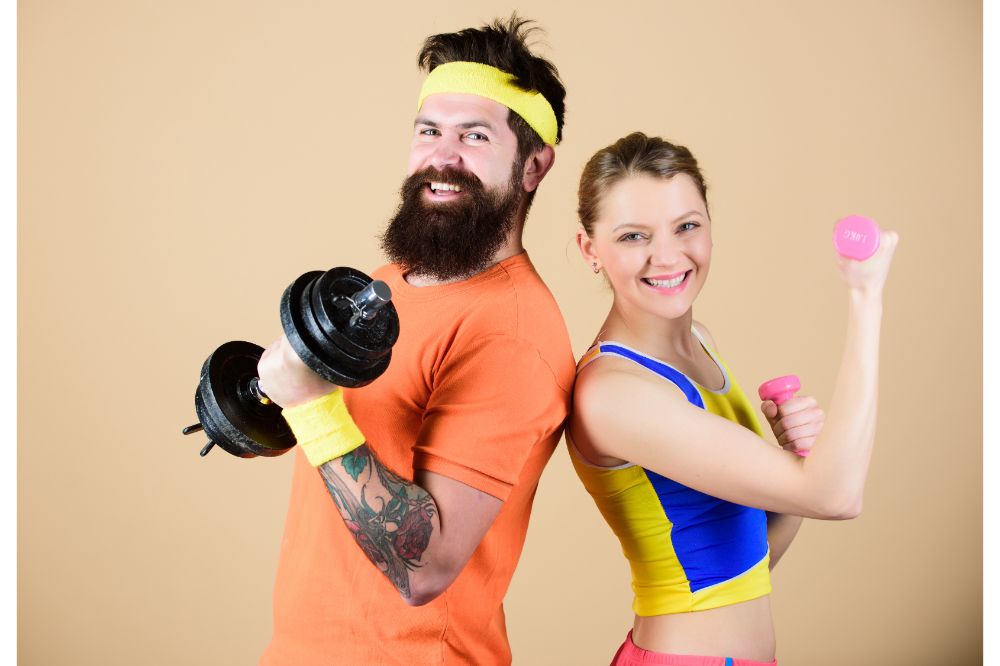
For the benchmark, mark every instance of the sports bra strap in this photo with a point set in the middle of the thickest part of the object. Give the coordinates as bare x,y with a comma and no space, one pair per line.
668,372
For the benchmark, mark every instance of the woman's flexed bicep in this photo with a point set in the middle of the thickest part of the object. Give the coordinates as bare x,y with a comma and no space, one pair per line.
637,417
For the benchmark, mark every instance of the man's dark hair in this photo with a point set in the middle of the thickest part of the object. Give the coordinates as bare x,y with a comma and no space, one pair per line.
503,44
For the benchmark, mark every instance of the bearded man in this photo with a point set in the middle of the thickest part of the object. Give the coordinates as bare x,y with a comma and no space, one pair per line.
411,496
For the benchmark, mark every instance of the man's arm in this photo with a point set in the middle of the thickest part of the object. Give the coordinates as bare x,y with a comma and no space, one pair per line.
420,535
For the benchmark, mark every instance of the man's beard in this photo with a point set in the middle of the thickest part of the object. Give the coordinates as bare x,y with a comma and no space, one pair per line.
454,239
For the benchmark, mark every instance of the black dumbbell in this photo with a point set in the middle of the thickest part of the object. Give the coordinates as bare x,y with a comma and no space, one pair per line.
342,325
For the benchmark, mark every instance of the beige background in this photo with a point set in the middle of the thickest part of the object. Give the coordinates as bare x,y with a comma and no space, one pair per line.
181,162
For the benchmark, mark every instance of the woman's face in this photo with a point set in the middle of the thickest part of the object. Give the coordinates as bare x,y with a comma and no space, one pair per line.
653,238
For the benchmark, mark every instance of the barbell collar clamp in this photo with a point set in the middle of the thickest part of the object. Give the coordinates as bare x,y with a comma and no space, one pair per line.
368,301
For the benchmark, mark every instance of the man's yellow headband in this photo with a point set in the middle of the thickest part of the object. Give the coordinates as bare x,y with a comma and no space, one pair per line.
474,78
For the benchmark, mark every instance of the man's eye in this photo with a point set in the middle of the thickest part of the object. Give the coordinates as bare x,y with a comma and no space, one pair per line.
476,136
428,131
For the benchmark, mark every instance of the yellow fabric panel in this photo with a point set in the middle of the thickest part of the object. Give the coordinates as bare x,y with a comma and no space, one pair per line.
733,405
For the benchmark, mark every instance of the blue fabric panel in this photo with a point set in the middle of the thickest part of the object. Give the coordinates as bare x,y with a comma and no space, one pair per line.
714,540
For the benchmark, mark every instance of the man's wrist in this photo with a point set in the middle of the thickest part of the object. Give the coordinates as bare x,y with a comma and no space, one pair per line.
323,428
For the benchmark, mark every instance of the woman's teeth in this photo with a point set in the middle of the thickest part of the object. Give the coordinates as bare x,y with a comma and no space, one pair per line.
666,283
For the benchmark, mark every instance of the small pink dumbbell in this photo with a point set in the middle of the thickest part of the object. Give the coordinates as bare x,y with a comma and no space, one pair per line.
856,237
780,390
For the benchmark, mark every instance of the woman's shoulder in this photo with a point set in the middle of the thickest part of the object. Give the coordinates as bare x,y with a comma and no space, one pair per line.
597,393
599,368
612,398
609,386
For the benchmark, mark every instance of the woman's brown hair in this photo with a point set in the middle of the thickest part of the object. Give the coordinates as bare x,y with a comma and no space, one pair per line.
635,154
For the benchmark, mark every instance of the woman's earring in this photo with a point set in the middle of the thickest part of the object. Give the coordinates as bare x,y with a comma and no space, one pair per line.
596,269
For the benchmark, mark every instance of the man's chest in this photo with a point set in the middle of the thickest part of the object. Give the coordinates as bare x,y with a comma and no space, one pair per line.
391,409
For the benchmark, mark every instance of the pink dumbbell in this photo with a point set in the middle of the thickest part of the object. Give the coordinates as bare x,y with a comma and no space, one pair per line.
856,237
779,391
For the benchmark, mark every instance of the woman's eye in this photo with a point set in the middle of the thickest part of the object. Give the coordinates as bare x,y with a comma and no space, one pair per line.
634,236
688,226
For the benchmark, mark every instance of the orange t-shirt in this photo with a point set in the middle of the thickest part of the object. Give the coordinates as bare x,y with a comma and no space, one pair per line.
477,390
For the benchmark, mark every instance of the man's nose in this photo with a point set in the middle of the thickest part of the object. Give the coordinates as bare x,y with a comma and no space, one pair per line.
446,154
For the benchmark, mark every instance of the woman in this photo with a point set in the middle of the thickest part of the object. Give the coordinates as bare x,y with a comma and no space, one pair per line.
667,443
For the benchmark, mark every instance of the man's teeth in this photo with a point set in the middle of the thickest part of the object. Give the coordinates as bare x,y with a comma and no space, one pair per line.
446,187
666,283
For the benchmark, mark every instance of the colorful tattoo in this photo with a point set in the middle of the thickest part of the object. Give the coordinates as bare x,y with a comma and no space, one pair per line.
395,532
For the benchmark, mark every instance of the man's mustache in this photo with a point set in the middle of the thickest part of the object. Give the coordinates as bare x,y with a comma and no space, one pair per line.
467,180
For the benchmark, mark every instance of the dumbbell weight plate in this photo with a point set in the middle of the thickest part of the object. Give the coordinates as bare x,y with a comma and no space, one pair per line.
316,349
329,294
340,359
232,418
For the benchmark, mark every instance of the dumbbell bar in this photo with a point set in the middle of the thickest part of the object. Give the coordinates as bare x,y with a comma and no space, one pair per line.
342,325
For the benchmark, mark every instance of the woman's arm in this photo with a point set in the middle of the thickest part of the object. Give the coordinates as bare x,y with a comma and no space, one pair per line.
795,424
624,411
781,531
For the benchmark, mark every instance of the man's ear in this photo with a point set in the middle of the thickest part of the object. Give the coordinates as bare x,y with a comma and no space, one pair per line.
536,166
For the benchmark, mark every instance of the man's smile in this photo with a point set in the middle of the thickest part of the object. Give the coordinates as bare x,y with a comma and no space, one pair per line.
441,191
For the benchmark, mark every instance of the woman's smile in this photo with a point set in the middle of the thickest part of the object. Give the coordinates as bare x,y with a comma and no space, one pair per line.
674,283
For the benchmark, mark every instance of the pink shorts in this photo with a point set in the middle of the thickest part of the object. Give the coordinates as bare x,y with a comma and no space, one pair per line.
630,654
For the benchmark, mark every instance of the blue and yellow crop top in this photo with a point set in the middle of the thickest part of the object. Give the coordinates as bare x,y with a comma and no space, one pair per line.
688,551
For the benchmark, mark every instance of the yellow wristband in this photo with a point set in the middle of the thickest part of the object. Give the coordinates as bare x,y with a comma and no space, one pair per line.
323,428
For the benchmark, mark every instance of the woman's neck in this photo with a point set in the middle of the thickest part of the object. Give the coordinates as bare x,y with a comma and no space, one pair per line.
651,334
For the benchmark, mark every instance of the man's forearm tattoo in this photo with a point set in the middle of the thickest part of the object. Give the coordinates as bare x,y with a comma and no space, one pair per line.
391,519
